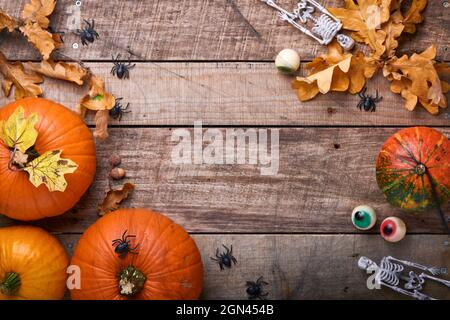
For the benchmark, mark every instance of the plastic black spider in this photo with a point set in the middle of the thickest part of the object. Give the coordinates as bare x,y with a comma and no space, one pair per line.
122,245
121,69
255,289
118,110
87,34
368,103
226,258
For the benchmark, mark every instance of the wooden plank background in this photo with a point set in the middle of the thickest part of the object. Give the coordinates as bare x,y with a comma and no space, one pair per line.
213,61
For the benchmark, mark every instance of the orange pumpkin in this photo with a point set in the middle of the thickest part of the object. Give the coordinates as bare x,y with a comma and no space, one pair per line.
407,162
33,264
137,254
58,129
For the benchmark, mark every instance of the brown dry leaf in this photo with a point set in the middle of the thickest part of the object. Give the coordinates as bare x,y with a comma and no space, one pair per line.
364,18
7,22
26,82
335,71
101,124
417,80
59,70
393,30
413,15
97,98
38,11
113,199
41,39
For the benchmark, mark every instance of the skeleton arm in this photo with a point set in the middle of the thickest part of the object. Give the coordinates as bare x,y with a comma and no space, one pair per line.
433,270
416,294
441,281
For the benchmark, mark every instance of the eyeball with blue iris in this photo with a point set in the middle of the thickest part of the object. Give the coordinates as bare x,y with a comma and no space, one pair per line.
364,217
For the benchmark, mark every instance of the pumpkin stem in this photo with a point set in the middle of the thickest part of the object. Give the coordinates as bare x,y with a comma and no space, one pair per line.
421,169
131,281
11,284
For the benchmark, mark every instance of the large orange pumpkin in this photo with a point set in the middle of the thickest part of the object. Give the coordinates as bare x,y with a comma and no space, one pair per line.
33,264
58,129
406,163
164,262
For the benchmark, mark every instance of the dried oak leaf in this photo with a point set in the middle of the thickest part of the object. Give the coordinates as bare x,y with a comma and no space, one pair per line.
42,40
364,18
413,15
101,124
7,22
97,98
59,70
38,11
26,82
417,80
114,198
335,71
393,29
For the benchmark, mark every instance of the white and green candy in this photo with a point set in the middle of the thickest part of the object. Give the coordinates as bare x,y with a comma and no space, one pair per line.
364,217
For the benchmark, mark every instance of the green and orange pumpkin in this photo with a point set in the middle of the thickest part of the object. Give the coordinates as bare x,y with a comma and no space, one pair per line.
413,169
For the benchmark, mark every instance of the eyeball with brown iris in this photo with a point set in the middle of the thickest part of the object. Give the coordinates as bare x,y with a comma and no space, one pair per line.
393,229
364,217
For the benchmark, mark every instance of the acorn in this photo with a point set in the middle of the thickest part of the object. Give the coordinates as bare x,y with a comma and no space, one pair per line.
287,61
117,173
115,160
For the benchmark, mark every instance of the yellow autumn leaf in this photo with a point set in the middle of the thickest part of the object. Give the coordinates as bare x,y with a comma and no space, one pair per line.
59,70
49,169
38,11
18,131
7,22
41,39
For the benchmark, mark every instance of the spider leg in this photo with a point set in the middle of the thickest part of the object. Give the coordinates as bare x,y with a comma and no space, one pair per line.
250,284
362,93
87,22
120,116
214,259
234,260
126,108
131,66
127,74
374,106
221,265
359,106
226,248
92,25
113,70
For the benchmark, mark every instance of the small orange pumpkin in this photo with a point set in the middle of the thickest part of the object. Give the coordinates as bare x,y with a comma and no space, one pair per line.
58,129
137,254
33,264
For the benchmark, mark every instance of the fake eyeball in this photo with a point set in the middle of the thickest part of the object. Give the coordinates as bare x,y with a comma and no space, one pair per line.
364,217
393,229
287,61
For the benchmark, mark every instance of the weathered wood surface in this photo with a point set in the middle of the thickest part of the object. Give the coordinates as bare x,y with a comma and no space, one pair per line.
202,30
308,266
323,174
235,94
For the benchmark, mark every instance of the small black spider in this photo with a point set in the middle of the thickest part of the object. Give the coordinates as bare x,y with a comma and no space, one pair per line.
368,103
87,34
118,110
122,245
255,289
121,69
226,258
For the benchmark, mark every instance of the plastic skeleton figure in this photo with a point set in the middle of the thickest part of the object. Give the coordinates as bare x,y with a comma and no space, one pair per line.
325,27
391,271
